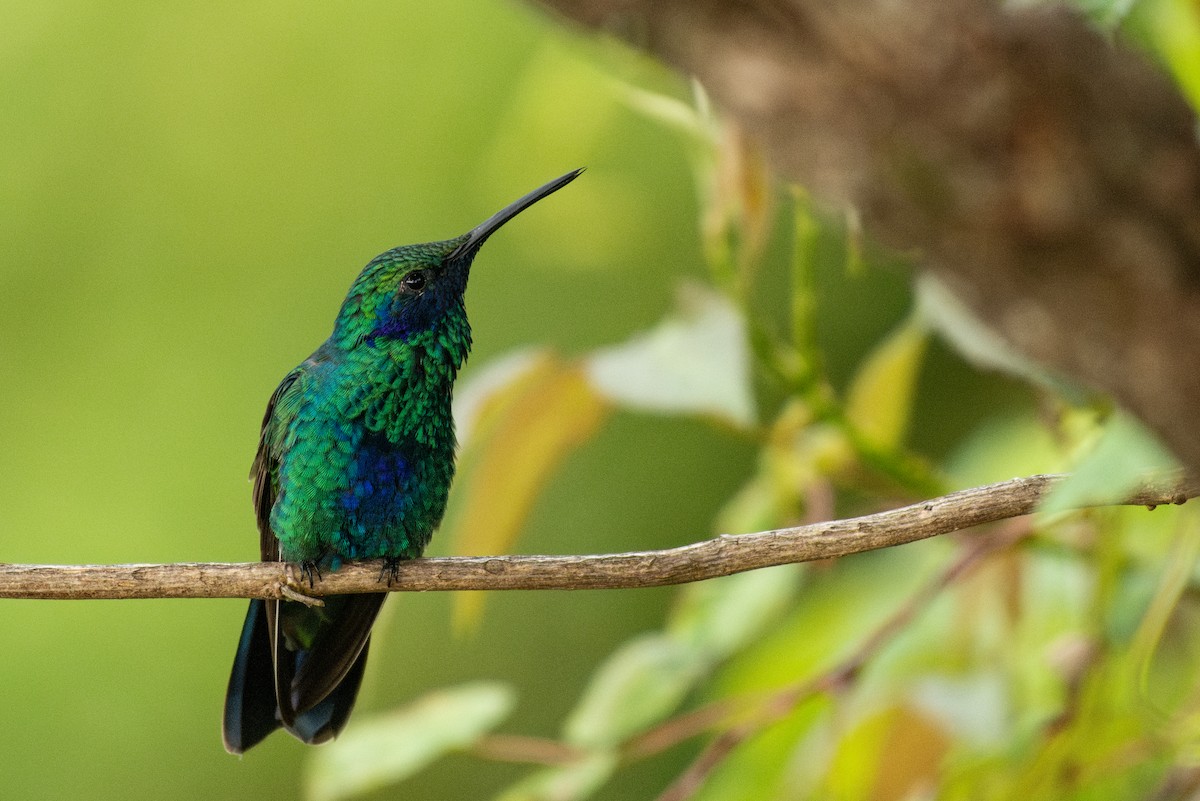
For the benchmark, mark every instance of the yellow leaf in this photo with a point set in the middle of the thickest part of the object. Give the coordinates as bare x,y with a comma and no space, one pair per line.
892,755
911,758
881,395
522,432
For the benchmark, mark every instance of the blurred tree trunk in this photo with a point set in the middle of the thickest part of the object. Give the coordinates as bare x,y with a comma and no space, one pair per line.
1050,177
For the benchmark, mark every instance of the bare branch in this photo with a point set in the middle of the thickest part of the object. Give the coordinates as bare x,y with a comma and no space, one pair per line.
720,556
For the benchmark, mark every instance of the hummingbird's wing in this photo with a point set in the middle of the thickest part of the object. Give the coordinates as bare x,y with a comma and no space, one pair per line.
307,689
265,470
314,686
250,703
261,695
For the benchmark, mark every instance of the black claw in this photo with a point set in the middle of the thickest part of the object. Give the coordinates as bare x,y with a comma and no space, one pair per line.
311,569
390,570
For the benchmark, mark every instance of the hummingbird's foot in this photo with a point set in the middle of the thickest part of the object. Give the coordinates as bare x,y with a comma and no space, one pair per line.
289,588
390,570
296,595
311,569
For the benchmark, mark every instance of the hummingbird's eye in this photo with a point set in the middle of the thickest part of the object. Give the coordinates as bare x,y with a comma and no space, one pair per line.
414,282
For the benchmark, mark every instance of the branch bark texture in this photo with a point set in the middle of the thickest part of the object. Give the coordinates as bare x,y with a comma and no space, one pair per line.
720,556
1049,176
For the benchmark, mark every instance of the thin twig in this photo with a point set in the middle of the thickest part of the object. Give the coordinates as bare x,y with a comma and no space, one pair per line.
720,556
681,728
524,750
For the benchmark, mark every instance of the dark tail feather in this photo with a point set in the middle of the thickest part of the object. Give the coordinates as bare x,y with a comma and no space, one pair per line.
308,689
250,711
342,634
325,720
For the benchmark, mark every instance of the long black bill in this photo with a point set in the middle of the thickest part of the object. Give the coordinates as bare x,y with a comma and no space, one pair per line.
481,232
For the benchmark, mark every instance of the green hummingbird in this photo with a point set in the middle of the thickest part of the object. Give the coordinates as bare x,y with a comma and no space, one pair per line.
354,461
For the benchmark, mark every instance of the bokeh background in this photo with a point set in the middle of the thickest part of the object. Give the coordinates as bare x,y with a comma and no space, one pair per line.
186,192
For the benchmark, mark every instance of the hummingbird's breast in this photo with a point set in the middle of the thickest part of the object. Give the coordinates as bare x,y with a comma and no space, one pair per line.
371,458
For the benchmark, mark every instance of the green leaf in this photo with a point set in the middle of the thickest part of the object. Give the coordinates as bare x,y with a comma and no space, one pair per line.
978,344
1003,447
756,506
1174,26
879,402
693,121
697,362
569,782
724,615
384,749
1126,454
641,683
779,761
837,610
794,464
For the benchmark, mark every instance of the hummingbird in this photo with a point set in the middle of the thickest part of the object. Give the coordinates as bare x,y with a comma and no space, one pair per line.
354,462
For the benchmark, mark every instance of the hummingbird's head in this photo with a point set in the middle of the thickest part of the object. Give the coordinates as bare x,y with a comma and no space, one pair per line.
414,288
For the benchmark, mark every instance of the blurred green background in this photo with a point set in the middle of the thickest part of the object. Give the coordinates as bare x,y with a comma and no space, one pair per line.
185,195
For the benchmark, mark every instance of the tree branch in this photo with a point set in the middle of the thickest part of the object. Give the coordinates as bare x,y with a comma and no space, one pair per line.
720,556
